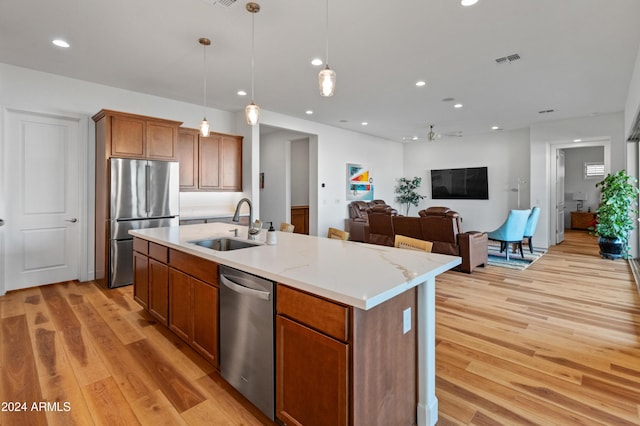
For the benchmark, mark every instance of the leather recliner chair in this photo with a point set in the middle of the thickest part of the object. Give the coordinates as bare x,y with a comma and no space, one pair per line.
443,227
358,222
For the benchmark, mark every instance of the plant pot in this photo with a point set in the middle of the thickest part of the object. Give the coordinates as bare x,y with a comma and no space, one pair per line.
611,248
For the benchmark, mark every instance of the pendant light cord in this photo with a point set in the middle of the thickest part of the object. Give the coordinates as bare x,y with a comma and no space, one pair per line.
204,91
326,59
253,40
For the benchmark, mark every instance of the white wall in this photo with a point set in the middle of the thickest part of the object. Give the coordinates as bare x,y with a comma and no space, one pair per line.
334,148
632,105
505,154
545,135
300,172
275,160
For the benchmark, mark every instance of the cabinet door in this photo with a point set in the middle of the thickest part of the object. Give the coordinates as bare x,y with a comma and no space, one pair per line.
231,163
209,163
306,359
205,319
159,291
127,137
161,141
179,302
188,159
141,279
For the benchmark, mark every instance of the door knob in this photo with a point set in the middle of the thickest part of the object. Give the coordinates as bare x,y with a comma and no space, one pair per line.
1,222
74,220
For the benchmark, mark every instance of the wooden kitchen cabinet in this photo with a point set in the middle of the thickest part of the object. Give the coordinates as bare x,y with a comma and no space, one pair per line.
212,163
300,219
193,303
307,359
136,136
159,291
351,358
141,278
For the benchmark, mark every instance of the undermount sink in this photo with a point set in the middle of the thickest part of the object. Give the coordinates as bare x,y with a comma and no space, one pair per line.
224,244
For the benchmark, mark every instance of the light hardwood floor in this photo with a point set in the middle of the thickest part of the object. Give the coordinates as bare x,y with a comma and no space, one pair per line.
558,343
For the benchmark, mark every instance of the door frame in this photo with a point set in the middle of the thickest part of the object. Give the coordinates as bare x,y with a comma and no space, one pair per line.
563,145
86,155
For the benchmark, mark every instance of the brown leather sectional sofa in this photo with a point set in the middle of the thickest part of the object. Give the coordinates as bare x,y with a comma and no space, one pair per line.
358,222
440,225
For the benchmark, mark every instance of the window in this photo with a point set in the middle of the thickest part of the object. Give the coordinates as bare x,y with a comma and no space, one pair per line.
593,170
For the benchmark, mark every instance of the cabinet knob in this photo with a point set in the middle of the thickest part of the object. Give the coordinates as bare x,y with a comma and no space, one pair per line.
1,222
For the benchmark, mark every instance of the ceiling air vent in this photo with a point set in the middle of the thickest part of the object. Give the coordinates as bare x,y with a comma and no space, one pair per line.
225,3
508,59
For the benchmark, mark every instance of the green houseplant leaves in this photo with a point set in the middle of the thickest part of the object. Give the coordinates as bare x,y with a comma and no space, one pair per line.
619,201
406,192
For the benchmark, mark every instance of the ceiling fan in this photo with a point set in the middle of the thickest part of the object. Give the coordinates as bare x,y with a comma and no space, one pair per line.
432,135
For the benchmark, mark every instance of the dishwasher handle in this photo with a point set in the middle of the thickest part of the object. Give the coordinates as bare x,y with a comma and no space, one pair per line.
242,289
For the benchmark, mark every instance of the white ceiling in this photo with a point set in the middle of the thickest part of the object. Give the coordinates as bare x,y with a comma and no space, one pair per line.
577,56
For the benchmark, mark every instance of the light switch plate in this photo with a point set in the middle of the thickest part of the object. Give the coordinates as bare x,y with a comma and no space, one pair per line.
406,321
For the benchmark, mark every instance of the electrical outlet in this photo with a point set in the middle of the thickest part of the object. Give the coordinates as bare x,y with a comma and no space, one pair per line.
406,321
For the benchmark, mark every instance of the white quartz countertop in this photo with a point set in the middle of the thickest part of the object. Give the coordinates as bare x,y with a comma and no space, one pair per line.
357,274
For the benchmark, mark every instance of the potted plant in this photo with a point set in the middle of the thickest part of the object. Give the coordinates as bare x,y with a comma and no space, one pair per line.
406,192
614,219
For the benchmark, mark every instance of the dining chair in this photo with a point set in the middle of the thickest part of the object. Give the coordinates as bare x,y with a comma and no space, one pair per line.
530,229
337,234
286,227
404,242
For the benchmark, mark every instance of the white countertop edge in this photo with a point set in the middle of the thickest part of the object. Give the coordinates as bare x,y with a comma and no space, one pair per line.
447,263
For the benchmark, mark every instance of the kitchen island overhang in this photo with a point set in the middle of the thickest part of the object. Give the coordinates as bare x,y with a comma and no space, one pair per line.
355,274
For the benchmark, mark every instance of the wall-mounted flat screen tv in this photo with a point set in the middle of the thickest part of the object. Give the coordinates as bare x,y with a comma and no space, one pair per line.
470,183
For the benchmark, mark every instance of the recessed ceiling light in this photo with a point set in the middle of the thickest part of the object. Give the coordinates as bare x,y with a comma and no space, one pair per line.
316,62
242,93
495,128
468,2
457,106
364,123
577,140
60,43
421,83
308,112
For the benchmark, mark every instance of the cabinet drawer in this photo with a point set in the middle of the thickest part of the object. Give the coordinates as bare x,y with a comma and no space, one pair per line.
202,269
320,314
159,252
141,246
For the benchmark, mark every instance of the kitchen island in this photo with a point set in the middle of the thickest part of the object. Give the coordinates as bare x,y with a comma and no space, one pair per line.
371,283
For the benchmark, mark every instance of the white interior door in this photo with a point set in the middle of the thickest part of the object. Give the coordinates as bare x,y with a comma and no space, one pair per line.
560,196
42,233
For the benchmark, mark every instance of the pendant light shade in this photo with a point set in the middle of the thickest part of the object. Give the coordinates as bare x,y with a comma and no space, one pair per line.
327,77
327,80
252,111
205,129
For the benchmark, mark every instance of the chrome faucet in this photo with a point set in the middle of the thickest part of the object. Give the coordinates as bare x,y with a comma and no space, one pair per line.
253,231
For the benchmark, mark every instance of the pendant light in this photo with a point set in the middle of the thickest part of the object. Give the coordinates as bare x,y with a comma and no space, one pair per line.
327,77
252,111
205,129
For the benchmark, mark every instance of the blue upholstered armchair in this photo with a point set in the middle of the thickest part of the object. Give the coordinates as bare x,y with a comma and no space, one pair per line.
511,231
530,229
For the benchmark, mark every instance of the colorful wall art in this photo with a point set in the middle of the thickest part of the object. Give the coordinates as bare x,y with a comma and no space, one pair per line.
359,183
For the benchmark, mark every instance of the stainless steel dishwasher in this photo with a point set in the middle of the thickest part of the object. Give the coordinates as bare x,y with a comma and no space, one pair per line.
246,336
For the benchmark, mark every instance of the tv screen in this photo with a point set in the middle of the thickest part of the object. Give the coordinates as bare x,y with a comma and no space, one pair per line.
460,184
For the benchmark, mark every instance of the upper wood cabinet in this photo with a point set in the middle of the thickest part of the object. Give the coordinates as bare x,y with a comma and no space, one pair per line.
212,163
135,136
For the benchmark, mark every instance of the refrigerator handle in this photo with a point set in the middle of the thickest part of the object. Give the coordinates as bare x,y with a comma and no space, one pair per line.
147,184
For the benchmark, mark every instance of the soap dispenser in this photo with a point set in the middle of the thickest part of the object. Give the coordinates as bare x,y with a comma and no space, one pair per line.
271,235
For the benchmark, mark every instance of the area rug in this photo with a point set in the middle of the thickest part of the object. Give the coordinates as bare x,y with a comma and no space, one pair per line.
515,260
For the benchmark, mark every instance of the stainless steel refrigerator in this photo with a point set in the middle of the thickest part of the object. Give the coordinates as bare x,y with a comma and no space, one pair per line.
144,194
